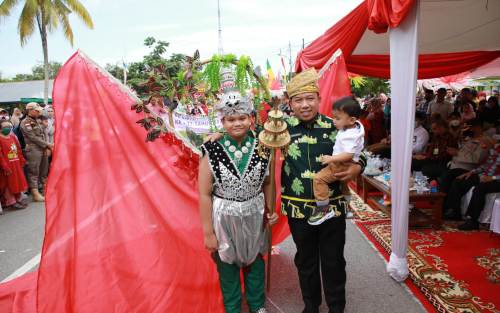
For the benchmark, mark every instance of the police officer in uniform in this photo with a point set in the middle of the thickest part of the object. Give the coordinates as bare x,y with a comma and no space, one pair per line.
37,150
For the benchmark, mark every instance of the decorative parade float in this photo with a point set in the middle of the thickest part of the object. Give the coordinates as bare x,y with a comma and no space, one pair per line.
184,105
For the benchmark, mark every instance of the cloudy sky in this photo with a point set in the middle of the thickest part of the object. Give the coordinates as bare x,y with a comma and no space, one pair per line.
256,28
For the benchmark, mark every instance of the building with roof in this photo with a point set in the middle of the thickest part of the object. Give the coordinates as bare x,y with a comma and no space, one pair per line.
15,93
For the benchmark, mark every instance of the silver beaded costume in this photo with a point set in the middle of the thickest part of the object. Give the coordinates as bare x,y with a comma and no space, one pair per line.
238,205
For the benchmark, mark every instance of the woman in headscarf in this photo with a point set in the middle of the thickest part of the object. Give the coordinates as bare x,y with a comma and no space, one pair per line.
16,117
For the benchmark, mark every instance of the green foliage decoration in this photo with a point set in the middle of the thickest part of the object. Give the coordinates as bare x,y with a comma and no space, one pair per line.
297,186
212,73
242,75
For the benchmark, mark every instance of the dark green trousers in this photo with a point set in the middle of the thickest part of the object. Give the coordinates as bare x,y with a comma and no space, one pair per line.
229,277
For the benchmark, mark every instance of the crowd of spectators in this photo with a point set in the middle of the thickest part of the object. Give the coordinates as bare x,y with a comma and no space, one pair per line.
455,143
26,144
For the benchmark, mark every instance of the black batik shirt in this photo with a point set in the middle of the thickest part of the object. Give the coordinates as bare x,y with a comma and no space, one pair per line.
309,140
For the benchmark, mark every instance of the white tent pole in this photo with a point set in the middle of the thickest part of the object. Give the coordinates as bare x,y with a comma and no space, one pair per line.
404,64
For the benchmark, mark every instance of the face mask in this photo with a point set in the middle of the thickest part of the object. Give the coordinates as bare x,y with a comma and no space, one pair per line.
6,130
454,123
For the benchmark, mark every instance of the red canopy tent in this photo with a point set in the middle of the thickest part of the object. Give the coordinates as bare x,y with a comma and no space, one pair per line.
452,36
446,47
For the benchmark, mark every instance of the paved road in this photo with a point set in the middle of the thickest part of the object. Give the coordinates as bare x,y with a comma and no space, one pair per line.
369,288
21,237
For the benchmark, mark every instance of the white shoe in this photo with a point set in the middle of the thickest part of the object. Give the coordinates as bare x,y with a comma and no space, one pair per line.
325,217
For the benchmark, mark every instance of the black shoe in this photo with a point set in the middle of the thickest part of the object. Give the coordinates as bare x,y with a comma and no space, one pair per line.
452,215
311,311
469,225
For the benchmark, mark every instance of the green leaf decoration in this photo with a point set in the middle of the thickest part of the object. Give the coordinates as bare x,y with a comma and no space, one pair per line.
297,186
333,136
212,122
307,174
308,139
293,121
242,76
287,169
323,124
212,73
228,59
294,151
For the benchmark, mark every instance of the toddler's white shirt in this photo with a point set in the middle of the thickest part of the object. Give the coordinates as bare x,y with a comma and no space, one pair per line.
351,140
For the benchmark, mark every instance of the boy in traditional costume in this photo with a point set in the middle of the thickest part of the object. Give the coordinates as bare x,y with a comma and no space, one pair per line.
234,187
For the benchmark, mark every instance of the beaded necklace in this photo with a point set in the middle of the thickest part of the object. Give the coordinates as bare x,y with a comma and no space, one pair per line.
239,153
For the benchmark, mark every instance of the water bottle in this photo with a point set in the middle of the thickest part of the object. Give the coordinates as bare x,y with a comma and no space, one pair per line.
434,186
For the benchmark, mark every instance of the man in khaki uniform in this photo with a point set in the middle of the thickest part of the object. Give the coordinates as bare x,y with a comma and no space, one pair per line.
37,150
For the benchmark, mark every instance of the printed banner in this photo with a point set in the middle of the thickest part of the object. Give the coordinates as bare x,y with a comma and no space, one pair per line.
197,123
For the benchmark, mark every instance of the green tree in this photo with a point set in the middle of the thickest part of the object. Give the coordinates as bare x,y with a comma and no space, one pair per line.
115,70
22,77
369,85
138,72
46,15
38,71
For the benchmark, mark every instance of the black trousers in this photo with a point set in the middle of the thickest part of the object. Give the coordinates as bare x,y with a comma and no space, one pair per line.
478,198
430,168
448,177
321,245
458,189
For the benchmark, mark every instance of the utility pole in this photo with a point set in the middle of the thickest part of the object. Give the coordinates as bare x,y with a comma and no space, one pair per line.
290,59
221,50
303,44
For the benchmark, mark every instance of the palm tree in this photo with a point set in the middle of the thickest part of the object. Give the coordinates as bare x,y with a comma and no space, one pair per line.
46,15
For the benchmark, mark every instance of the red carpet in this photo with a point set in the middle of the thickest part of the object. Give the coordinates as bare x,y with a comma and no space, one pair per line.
454,271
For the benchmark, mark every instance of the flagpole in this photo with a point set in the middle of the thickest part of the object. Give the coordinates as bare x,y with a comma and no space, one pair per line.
220,50
125,70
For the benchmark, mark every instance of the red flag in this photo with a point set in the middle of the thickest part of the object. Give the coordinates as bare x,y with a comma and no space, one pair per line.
284,67
334,82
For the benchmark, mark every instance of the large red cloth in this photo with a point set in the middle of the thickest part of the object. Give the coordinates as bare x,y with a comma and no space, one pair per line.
387,13
333,84
123,232
429,65
19,295
11,159
380,14
344,35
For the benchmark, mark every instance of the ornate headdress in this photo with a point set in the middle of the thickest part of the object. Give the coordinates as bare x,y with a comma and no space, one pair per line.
232,102
306,81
